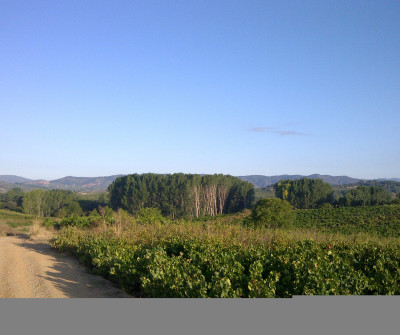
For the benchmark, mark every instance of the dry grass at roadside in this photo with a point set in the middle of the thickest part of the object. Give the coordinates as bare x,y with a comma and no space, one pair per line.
14,224
6,230
42,234
19,221
229,233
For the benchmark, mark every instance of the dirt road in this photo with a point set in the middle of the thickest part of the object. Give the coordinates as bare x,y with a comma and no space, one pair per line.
32,269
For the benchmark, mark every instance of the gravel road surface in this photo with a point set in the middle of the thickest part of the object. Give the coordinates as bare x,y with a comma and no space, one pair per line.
32,269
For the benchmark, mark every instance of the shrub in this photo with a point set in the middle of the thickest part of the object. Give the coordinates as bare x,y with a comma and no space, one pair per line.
150,216
272,213
326,205
50,223
77,221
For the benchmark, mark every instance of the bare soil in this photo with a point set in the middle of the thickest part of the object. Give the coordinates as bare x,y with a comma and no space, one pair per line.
32,269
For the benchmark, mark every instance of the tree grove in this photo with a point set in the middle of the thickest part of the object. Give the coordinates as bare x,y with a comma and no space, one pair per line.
181,195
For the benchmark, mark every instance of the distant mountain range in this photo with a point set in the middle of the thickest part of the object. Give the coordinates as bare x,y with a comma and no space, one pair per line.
13,179
78,184
99,184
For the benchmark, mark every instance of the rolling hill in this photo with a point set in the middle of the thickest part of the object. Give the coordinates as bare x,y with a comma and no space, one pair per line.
13,179
78,184
99,184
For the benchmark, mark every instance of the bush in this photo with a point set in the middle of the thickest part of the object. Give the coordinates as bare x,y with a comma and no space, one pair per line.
150,216
272,213
326,205
77,221
396,201
50,223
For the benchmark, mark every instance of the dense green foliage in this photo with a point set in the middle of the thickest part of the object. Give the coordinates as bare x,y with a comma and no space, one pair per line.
354,250
51,203
381,220
150,215
304,193
91,201
12,199
179,267
181,195
272,213
75,221
313,193
389,185
365,196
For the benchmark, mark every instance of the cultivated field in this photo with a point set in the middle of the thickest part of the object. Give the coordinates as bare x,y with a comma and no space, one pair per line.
221,257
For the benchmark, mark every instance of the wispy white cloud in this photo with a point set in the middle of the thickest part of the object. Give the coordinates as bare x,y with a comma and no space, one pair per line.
278,131
262,129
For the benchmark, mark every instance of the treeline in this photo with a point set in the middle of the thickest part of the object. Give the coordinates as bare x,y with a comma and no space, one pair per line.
181,195
49,203
314,193
189,195
365,196
389,185
45,203
12,200
304,193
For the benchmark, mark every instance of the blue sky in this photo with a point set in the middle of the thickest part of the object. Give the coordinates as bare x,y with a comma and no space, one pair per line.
95,88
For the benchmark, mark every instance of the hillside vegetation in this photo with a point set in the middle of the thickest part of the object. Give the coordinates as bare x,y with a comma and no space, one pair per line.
223,257
100,184
200,236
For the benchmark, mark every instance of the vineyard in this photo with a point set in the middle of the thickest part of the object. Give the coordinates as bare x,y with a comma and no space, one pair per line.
381,220
346,251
